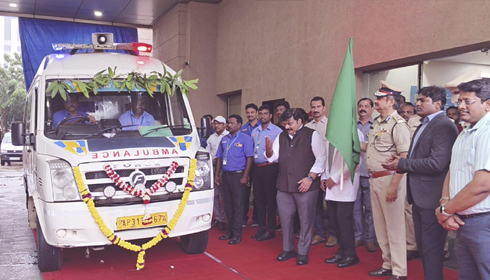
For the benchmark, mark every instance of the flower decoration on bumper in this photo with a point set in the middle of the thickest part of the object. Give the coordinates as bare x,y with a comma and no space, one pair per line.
114,239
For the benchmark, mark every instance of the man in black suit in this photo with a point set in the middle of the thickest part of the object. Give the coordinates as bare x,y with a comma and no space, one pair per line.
427,164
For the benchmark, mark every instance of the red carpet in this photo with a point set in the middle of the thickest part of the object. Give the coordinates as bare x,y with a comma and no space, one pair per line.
248,260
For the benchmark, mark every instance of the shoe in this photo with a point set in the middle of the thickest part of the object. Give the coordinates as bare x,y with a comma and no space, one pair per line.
226,236
255,223
334,259
317,239
447,255
235,240
266,236
331,242
371,247
348,261
381,272
222,226
302,260
286,255
359,243
412,255
278,227
395,277
214,223
259,232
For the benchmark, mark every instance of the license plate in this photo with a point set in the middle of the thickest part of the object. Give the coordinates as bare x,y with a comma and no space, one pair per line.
15,158
132,222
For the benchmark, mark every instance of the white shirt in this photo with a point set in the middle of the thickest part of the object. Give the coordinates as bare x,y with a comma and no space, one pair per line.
471,153
317,147
320,126
349,190
213,143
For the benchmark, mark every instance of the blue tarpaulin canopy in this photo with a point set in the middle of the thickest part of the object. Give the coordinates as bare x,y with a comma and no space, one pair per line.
37,35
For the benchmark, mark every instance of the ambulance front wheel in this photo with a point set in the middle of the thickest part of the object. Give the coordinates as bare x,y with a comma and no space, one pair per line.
49,258
195,243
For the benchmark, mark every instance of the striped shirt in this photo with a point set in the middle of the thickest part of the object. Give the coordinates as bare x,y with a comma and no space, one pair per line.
471,153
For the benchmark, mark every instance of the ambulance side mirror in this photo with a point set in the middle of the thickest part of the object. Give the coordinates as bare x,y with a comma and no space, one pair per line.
205,127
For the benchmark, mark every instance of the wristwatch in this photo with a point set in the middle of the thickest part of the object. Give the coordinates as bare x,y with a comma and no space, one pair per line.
311,178
443,212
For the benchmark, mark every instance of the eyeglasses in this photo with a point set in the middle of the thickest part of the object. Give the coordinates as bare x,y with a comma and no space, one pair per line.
467,102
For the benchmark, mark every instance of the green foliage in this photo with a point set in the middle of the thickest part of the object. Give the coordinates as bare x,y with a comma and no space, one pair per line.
133,81
12,90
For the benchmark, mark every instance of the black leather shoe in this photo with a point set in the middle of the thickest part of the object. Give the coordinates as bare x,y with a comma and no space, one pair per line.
266,236
381,272
259,232
235,241
286,255
302,260
226,236
334,259
348,261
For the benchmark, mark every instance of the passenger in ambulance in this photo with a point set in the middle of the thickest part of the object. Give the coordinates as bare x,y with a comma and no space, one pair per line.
136,116
71,111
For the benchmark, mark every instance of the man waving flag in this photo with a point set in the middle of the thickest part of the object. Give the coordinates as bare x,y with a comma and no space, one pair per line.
342,123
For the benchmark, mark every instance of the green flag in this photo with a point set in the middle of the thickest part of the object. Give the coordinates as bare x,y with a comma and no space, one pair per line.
342,120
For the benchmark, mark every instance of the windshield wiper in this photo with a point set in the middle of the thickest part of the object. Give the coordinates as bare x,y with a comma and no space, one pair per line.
155,129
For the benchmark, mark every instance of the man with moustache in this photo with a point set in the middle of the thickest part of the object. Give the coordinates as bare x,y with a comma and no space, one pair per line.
427,164
251,112
280,107
264,176
365,109
136,117
71,110
452,112
319,123
235,157
300,152
465,202
407,111
213,142
390,134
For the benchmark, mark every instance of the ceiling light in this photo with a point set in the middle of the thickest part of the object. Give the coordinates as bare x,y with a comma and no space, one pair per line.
13,5
97,13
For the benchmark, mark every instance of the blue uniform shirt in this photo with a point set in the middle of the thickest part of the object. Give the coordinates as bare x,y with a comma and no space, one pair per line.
247,128
63,114
258,136
129,118
235,151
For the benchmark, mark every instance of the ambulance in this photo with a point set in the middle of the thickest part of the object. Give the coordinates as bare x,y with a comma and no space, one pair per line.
153,159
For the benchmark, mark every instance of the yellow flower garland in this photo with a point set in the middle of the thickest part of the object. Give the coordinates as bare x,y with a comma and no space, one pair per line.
140,264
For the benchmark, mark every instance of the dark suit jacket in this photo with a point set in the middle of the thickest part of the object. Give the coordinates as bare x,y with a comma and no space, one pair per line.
428,163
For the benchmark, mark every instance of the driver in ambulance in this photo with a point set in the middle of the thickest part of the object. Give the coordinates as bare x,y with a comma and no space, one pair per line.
71,110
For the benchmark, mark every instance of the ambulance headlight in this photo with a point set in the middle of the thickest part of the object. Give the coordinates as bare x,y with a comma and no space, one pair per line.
63,181
202,180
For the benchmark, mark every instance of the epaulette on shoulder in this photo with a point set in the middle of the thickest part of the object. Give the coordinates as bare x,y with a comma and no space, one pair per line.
399,119
377,117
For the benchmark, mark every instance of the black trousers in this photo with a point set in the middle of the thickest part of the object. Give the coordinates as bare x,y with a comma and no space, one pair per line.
234,193
430,238
343,215
265,191
246,205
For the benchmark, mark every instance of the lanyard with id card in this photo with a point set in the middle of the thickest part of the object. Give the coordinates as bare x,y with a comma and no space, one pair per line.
257,146
228,146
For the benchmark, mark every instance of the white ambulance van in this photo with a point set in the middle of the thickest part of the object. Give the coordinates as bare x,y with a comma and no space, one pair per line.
140,153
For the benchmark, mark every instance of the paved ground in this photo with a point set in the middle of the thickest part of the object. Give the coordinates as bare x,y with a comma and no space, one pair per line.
18,256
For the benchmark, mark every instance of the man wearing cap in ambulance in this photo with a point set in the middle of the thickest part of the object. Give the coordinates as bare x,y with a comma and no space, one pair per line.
390,135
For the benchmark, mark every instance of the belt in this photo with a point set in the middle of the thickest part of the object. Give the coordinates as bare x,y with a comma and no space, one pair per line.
233,172
469,216
380,173
264,164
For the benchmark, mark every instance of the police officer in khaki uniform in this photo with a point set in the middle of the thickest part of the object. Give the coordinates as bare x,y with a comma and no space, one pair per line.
390,135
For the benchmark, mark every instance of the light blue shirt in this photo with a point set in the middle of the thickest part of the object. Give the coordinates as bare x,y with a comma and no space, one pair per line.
365,130
258,136
63,114
471,153
247,128
134,123
423,124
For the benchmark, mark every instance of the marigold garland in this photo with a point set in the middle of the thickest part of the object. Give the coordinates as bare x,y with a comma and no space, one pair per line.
114,239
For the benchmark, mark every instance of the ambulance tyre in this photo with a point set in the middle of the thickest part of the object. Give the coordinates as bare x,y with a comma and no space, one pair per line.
49,258
195,243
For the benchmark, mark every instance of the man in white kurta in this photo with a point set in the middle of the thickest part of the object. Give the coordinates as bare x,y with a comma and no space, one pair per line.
341,195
